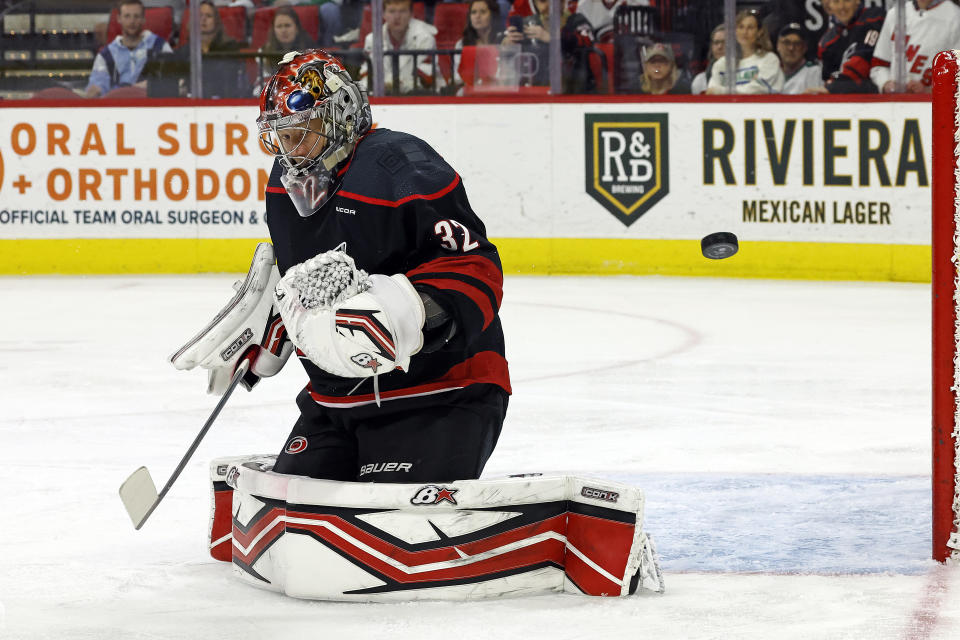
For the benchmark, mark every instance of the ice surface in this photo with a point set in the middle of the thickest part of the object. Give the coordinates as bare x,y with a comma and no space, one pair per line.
779,429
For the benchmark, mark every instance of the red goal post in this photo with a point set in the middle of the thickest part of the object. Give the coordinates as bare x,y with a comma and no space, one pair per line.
946,297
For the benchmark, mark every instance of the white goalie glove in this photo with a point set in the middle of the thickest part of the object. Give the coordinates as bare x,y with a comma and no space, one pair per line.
248,327
348,323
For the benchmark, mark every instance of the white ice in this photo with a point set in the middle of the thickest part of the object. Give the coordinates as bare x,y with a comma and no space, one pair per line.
780,430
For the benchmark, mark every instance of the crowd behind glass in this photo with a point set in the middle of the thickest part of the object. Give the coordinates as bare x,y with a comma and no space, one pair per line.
150,48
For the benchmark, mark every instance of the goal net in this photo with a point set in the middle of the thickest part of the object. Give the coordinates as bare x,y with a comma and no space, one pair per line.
946,298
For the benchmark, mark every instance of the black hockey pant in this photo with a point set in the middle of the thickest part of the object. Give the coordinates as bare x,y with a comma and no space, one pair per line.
438,438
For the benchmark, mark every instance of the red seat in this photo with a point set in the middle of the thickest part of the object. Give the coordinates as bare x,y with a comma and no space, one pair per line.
157,19
478,65
450,19
126,93
263,20
234,24
419,12
506,91
56,93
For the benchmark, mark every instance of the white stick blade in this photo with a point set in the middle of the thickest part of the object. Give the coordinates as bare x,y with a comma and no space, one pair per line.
138,493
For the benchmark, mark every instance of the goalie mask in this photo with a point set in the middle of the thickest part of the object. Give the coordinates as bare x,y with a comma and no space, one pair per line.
311,116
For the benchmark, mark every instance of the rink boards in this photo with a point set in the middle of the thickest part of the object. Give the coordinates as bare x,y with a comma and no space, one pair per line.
825,189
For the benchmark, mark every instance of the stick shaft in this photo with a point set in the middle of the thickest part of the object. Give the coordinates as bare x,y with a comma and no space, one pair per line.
237,376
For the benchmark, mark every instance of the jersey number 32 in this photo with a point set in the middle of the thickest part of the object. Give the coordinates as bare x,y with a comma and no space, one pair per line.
445,229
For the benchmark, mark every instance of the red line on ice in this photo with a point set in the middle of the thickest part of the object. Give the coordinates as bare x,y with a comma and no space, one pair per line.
926,614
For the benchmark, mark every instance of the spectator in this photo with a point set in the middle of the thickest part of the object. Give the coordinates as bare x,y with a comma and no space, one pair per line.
813,16
799,73
846,49
212,36
330,16
757,69
402,31
120,63
482,24
526,43
660,73
481,29
222,77
931,26
600,13
286,34
718,44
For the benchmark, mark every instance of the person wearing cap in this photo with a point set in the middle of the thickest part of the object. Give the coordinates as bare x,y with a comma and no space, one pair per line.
660,73
799,73
757,68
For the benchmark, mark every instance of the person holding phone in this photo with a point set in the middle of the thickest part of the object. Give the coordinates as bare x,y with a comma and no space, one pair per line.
529,25
526,42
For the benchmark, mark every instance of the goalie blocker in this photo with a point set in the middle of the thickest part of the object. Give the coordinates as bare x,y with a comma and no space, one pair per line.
469,539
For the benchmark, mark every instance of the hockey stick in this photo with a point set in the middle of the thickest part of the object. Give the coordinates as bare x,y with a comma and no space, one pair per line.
139,492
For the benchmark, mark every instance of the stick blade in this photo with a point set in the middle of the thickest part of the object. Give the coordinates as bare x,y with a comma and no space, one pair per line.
139,495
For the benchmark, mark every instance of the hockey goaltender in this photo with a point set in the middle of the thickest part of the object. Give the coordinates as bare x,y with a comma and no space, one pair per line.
382,280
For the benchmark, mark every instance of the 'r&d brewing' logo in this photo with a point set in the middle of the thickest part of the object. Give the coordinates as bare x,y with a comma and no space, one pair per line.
627,166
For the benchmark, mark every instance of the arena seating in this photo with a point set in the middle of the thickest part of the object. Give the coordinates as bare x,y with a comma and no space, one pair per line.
449,18
55,93
478,65
234,24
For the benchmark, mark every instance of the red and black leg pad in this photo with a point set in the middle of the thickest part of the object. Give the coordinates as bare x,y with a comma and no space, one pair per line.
221,511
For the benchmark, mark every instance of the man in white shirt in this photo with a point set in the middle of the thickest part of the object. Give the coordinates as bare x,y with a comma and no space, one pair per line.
402,31
799,73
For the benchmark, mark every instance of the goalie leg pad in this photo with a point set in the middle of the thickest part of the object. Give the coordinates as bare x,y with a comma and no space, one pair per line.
471,539
223,472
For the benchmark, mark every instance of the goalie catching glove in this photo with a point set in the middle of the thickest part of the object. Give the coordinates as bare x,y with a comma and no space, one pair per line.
248,328
348,323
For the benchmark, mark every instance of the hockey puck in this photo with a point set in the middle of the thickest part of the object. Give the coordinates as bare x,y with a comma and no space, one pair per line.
717,246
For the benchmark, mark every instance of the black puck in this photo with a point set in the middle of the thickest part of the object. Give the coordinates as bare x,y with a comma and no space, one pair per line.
717,246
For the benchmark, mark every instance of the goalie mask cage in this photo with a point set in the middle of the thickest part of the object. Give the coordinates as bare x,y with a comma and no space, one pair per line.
946,297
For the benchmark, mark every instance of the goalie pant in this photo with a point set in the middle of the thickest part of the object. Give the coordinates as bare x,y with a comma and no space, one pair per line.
400,208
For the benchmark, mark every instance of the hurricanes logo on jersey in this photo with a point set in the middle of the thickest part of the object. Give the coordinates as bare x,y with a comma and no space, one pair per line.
627,168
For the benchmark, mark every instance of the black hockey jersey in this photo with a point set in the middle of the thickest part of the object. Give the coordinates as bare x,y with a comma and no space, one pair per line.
846,51
400,208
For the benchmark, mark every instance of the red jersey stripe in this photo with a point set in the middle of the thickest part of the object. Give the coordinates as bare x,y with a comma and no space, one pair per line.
486,367
276,190
396,203
477,266
478,297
